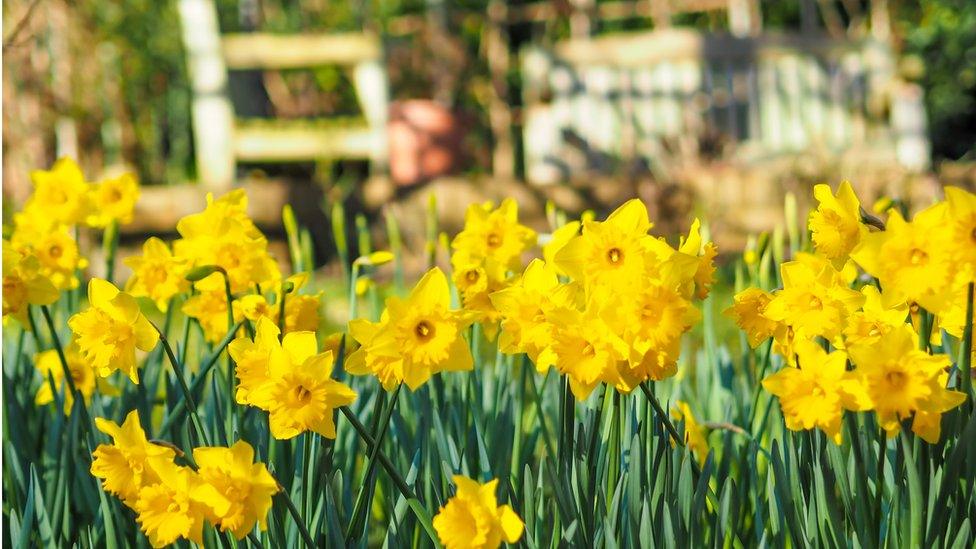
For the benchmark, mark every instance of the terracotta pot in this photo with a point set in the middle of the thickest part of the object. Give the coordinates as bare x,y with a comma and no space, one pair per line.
424,141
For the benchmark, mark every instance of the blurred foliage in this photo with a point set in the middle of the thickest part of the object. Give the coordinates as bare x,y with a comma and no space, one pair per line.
940,40
140,37
131,100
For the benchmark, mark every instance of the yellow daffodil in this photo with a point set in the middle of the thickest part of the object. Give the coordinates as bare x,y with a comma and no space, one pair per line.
23,285
586,349
114,199
475,282
557,240
748,310
225,236
836,223
48,364
814,301
157,273
877,317
209,308
523,307
705,252
124,465
111,329
911,259
299,393
609,254
253,307
695,439
815,394
902,380
165,510
236,490
472,519
61,193
658,314
414,339
302,312
253,358
494,235
962,229
56,250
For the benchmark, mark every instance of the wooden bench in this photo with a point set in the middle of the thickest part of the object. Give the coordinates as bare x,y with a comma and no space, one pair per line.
223,139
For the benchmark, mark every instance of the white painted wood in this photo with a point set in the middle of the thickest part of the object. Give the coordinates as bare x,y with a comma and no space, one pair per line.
213,117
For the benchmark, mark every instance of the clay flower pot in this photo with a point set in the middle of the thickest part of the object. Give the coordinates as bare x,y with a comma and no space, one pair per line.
424,140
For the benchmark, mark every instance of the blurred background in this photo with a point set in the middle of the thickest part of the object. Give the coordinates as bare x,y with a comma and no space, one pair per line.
710,107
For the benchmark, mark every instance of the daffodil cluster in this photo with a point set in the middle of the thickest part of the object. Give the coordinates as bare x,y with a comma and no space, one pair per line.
172,501
858,343
609,303
486,253
63,200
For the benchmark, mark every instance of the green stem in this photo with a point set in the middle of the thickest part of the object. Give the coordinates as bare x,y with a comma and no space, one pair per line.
358,511
363,433
679,440
306,473
281,311
57,346
174,414
187,395
879,491
75,393
353,298
966,349
665,419
302,529
110,245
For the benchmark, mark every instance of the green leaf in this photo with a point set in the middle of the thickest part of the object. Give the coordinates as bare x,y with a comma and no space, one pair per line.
424,519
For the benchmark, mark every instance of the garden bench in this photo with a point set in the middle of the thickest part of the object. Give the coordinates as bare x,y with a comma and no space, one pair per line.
223,139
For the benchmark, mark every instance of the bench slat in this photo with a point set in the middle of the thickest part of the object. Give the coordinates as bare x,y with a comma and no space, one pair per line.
278,51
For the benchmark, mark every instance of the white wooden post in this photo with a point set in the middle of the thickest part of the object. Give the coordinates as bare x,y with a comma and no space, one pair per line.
369,78
213,116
